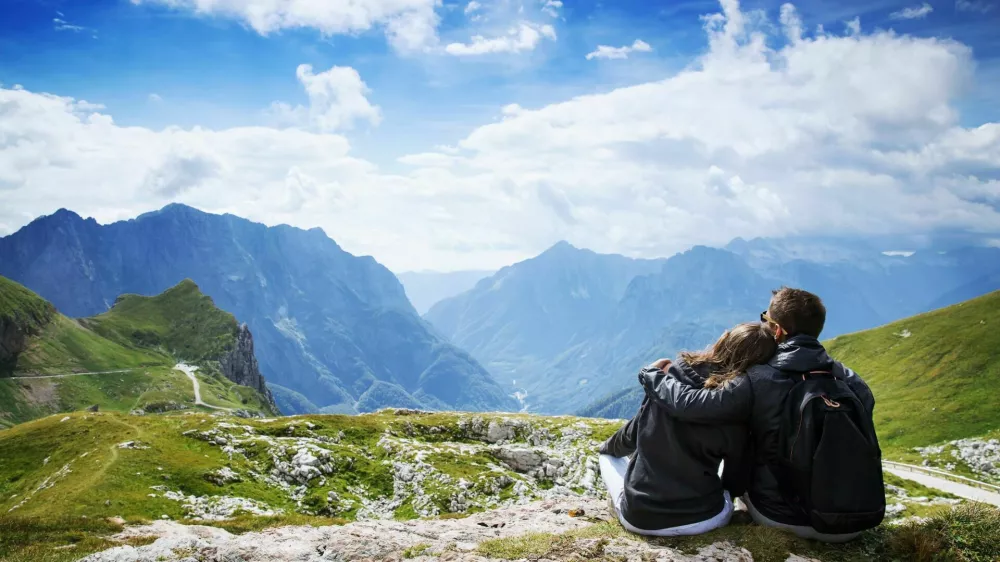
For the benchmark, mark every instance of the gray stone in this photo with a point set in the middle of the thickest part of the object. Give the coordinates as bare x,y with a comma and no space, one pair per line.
240,365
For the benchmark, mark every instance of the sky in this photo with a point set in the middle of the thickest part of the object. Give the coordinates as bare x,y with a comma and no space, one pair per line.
442,135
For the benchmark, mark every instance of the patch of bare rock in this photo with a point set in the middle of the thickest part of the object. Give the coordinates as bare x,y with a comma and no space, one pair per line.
420,540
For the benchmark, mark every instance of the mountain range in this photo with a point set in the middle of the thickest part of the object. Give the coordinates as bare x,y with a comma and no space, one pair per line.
337,333
571,327
334,332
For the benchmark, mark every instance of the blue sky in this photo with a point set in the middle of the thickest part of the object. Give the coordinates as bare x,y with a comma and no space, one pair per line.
217,72
155,64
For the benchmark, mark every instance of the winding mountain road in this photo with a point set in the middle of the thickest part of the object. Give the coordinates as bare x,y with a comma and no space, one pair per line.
920,476
189,371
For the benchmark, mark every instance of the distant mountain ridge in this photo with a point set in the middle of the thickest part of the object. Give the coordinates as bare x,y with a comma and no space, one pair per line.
528,321
528,325
327,325
427,288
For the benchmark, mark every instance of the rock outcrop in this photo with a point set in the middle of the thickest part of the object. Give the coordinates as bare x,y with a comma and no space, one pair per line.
22,314
240,365
469,539
12,340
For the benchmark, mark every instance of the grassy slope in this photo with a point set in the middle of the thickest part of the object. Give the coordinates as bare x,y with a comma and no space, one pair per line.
65,346
143,335
181,320
106,481
153,388
937,383
19,304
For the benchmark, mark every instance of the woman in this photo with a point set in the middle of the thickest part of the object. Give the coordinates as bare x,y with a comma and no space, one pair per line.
671,485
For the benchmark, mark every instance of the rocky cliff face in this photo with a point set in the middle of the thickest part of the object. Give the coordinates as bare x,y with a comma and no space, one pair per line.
12,340
22,314
240,365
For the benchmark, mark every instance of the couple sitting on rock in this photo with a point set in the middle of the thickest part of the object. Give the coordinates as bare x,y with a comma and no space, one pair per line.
791,428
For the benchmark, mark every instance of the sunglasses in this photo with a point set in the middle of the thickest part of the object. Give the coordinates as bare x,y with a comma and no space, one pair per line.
767,319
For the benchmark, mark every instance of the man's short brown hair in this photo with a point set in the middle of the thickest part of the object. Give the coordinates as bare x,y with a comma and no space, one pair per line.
797,311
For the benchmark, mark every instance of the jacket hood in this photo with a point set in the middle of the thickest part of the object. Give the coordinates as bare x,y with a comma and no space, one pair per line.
801,354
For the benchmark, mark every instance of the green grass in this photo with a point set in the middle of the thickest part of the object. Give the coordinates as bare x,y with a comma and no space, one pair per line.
250,523
57,539
104,480
23,307
181,320
100,471
156,389
58,344
416,550
936,384
65,346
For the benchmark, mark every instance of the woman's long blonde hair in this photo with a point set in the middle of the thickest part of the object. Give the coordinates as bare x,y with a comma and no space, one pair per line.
736,351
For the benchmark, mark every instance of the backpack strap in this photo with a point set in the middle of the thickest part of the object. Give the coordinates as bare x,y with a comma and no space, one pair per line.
816,373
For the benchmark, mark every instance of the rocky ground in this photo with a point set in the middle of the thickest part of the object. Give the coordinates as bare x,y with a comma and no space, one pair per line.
981,456
523,530
416,465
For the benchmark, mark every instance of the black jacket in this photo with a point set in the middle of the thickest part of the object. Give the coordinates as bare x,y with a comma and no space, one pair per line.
673,477
759,398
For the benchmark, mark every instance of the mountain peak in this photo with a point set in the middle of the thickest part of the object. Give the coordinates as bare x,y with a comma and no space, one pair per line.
63,215
561,246
564,248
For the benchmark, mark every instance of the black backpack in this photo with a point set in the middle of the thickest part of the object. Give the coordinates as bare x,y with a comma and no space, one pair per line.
831,465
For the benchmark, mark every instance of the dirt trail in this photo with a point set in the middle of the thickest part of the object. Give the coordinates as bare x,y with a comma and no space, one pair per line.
189,371
29,377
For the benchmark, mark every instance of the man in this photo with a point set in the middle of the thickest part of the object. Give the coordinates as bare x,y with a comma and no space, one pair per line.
797,318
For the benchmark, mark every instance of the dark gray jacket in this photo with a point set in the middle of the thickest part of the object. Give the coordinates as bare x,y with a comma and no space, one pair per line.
673,477
759,399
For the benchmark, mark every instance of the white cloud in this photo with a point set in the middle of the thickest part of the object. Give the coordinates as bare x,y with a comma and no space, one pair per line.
155,98
606,52
523,37
430,160
854,133
337,98
472,7
791,22
410,25
978,6
60,24
552,7
912,12
853,26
